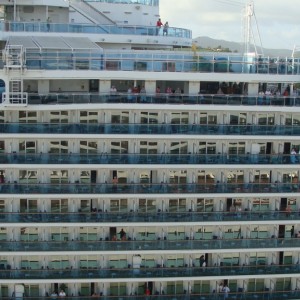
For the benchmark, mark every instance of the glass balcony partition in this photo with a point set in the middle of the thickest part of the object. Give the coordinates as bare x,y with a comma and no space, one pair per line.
99,59
155,214
60,97
14,26
120,269
150,188
120,155
147,241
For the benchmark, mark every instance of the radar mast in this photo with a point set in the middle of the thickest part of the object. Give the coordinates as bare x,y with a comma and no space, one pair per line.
250,22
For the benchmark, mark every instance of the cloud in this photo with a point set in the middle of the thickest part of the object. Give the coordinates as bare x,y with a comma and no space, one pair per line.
278,21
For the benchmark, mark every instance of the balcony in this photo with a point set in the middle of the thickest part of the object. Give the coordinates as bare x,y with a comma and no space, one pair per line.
139,217
159,129
241,295
162,98
149,159
174,272
154,245
145,60
149,188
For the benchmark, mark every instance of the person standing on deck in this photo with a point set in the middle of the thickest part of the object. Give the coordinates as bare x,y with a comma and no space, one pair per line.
158,25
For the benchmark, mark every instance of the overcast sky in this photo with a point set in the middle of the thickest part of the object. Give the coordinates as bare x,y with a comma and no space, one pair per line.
278,20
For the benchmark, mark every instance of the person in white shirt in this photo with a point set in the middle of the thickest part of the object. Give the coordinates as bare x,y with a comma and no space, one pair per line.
260,98
62,293
268,94
293,156
166,28
226,290
113,90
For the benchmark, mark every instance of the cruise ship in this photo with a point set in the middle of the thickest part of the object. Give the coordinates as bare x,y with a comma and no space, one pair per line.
133,166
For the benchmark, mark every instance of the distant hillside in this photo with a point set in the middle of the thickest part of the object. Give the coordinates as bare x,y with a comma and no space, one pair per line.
207,42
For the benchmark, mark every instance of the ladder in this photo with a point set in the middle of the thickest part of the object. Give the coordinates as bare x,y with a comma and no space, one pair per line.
14,65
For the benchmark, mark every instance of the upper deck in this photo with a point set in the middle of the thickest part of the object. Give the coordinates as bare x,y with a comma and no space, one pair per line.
107,22
12,27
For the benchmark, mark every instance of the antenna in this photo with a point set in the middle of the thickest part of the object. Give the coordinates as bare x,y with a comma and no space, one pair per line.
249,36
295,50
247,27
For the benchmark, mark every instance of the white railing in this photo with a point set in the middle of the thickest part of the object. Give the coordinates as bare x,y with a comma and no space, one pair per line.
14,56
15,99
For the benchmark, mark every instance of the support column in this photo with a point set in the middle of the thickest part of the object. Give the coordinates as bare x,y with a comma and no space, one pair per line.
193,87
11,290
104,86
150,86
291,89
7,88
253,89
43,86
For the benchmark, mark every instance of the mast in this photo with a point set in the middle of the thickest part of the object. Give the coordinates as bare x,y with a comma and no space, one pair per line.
247,28
249,37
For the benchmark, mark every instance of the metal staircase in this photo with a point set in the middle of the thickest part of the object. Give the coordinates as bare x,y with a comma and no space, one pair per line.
13,57
91,13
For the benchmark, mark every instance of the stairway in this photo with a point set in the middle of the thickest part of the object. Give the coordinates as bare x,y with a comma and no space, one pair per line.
90,12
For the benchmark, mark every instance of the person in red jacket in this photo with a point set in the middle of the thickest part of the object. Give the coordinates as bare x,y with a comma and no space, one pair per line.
158,25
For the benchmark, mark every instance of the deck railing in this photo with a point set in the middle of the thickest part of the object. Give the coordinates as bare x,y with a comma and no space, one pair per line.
157,61
101,216
162,98
158,272
152,129
148,159
85,28
148,188
240,294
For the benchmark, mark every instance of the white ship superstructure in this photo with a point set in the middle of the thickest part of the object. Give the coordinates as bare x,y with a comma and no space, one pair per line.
132,167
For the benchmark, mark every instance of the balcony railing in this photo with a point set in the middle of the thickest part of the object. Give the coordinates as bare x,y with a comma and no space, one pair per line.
149,159
147,188
85,28
173,272
136,217
159,129
162,98
157,61
156,245
241,295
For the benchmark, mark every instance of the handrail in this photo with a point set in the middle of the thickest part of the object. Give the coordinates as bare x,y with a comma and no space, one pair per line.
159,216
136,158
160,129
149,245
158,61
148,188
163,98
159,272
87,28
243,295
